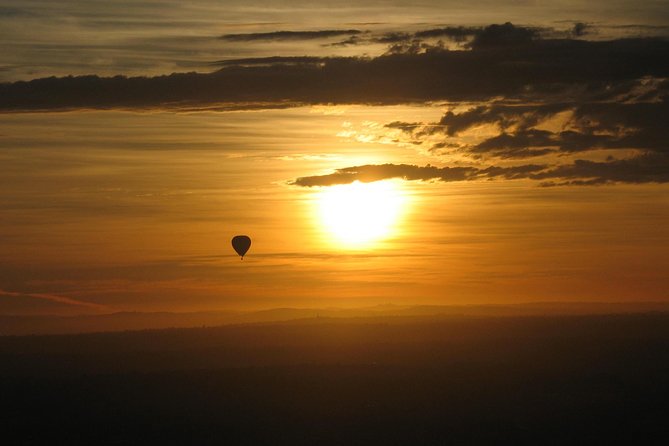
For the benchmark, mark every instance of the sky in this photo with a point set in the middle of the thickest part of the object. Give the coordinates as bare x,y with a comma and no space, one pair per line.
376,152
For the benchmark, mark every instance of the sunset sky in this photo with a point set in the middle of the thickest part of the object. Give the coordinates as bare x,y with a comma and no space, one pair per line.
444,153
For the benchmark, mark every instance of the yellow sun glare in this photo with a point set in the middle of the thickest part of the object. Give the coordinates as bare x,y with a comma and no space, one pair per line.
359,214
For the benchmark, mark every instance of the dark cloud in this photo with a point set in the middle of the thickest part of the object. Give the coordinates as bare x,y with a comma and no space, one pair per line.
591,126
412,47
604,95
370,173
492,36
457,33
289,35
645,168
392,37
480,37
495,36
534,142
523,144
536,71
270,61
353,40
633,116
581,29
637,121
404,126
505,116
638,124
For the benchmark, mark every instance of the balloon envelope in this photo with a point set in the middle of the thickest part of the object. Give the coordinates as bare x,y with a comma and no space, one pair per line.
241,243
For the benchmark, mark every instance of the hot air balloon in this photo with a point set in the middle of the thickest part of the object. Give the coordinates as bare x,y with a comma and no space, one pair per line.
241,243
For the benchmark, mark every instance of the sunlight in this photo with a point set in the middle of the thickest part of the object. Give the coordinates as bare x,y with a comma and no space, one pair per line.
359,214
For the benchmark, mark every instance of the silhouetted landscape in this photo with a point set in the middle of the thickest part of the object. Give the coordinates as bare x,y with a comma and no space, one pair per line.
384,380
52,324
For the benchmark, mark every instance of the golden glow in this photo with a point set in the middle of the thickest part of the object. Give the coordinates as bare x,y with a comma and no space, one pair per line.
359,214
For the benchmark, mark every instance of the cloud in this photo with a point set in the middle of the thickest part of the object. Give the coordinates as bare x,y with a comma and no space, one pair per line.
645,168
629,116
538,70
519,145
535,142
289,35
457,33
54,298
351,41
404,126
637,104
628,119
392,37
505,116
638,123
478,36
371,172
581,29
495,36
535,97
270,61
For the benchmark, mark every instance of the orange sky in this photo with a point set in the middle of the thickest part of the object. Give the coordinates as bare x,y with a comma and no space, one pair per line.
135,212
495,162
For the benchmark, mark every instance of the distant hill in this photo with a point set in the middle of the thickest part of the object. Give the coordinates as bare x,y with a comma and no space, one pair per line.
12,325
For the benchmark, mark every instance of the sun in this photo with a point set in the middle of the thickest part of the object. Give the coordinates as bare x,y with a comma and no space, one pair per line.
359,214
